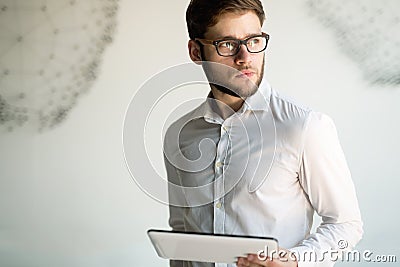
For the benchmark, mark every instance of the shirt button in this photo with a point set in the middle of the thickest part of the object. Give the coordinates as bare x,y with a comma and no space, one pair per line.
225,128
219,164
218,205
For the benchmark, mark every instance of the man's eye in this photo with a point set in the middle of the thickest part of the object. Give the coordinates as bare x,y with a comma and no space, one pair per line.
254,41
228,44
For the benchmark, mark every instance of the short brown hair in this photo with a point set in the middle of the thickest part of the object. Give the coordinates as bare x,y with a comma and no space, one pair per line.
202,14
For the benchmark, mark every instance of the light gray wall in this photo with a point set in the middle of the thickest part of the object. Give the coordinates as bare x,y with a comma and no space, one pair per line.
67,199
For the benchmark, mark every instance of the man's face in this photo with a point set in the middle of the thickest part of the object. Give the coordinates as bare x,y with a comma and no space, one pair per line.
250,65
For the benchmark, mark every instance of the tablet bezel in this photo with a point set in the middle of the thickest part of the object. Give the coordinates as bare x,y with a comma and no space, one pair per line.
165,242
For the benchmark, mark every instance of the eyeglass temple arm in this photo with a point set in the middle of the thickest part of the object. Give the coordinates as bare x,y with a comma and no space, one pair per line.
204,41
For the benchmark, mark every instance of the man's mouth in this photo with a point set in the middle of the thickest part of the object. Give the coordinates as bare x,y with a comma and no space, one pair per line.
245,73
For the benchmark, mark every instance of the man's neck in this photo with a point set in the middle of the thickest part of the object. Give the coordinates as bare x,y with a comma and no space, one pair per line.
226,104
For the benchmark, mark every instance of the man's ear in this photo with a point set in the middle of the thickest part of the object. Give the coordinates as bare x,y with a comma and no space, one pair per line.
194,52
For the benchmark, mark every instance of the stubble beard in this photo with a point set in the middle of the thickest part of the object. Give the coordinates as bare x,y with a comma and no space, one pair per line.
250,89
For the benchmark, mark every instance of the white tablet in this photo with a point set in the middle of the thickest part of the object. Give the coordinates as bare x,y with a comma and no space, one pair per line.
208,247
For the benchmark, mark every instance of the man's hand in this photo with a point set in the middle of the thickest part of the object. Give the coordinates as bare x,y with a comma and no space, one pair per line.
285,259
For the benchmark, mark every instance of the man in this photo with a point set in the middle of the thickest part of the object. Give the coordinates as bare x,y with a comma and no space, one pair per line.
249,161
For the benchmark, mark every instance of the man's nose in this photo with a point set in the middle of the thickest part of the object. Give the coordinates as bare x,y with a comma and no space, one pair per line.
243,56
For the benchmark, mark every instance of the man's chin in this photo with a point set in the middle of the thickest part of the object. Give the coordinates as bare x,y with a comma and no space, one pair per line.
245,87
240,92
248,92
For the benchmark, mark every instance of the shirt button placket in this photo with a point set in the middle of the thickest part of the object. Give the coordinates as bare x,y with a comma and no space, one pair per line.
218,202
219,212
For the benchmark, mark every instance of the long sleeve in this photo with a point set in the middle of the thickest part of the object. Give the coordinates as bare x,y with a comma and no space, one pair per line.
326,179
175,212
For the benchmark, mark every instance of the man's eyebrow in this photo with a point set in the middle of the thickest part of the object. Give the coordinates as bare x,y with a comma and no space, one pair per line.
225,37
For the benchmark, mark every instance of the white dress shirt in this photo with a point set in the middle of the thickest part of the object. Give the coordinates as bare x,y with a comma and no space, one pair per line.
262,171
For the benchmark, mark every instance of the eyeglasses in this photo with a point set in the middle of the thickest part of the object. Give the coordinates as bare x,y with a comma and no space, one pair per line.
230,47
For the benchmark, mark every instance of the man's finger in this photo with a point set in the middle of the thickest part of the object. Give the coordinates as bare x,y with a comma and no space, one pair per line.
255,261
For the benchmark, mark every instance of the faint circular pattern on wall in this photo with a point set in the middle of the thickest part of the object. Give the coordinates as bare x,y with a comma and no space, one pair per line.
368,31
50,53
